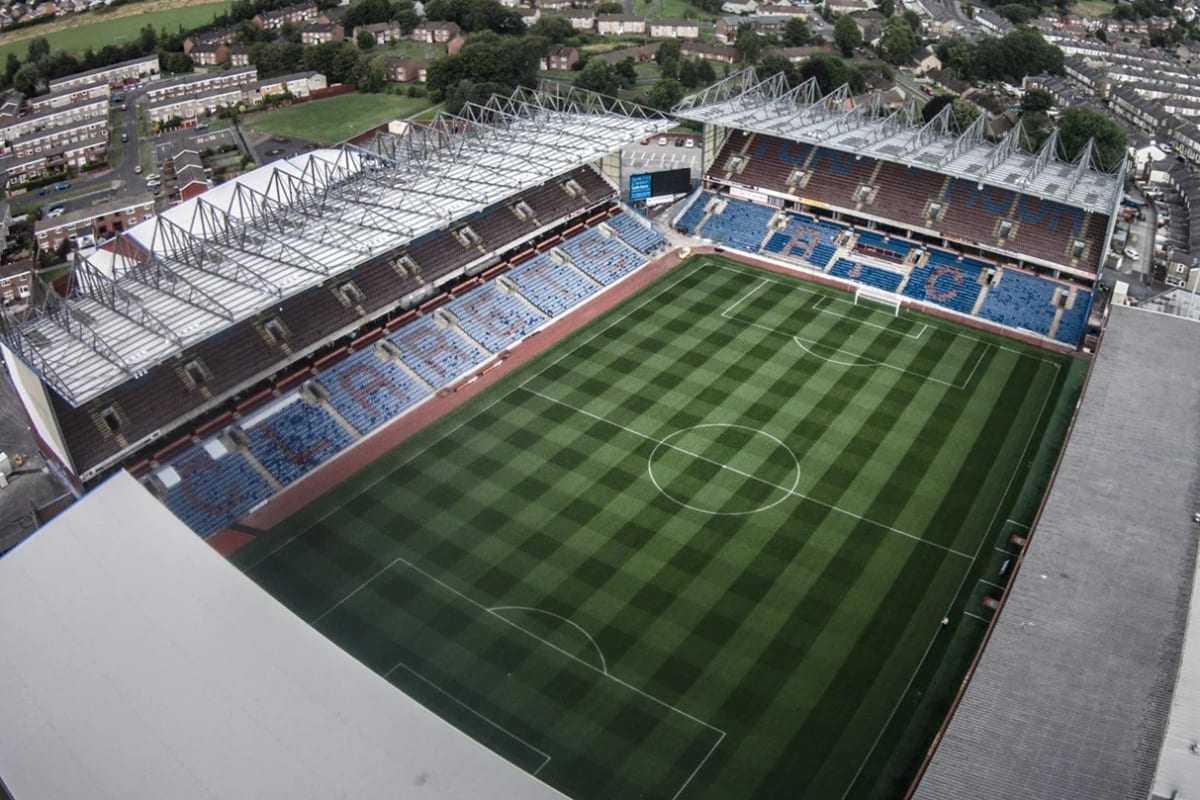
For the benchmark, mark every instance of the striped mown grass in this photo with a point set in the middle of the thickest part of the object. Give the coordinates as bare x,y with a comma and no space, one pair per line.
701,549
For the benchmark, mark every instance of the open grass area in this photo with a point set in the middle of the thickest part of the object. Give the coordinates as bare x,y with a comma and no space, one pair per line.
700,549
1092,8
96,30
338,117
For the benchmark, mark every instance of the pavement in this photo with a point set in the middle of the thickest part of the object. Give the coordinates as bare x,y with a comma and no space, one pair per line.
655,157
34,484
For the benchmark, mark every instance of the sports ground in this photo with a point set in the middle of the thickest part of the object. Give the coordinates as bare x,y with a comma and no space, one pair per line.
700,549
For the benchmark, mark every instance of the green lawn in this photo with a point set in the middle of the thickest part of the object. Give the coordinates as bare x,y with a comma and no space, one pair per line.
120,30
701,549
337,118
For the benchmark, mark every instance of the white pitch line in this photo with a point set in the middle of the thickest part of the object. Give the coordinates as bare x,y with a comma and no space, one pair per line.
745,297
402,465
966,573
1018,524
805,290
401,665
603,663
976,616
750,476
993,585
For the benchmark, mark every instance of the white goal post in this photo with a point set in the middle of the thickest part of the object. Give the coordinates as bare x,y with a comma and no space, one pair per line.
889,299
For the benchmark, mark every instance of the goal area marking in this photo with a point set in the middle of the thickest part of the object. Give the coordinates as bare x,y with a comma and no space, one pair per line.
879,296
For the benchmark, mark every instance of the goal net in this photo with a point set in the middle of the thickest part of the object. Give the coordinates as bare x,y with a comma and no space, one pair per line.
865,295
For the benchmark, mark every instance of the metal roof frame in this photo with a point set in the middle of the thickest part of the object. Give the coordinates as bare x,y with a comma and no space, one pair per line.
245,246
771,107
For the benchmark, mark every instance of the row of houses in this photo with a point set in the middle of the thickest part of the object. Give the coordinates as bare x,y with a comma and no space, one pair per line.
21,13
97,222
137,70
16,129
197,96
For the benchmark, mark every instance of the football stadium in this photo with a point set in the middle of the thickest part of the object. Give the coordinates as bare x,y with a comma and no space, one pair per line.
433,462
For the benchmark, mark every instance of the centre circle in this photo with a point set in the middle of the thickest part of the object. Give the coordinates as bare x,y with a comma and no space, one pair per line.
724,468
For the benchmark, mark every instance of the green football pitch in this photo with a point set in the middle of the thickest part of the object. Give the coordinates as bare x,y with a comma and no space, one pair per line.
700,549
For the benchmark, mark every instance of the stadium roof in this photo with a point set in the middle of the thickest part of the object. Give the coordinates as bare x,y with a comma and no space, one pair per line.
1072,691
245,245
138,663
837,121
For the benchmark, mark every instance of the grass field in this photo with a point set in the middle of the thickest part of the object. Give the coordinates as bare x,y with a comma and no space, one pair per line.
702,548
98,30
338,117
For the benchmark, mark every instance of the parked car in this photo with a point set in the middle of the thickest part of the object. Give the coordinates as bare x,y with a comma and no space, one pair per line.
124,136
279,139
201,126
153,184
56,211
61,186
42,192
274,151
662,141
154,176
689,143
138,169
1129,251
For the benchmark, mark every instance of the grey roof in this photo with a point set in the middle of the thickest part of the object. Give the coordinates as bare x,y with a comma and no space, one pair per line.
1071,695
835,121
139,663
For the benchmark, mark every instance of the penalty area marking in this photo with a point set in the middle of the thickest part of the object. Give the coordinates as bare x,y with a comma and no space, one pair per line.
603,664
664,442
870,362
749,476
492,612
401,665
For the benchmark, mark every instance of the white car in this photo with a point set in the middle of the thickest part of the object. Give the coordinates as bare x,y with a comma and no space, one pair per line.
57,211
1129,251
153,184
662,141
689,143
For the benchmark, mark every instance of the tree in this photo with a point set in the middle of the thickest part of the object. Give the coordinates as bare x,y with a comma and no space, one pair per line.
887,7
148,38
552,28
1078,124
599,76
365,40
176,63
27,79
913,19
898,41
830,73
11,65
965,112
1102,35
1036,101
670,49
688,76
610,7
846,35
39,48
665,94
773,63
748,44
934,106
797,33
374,75
627,73
705,71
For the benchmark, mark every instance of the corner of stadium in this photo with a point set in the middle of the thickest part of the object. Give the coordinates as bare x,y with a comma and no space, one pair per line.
444,461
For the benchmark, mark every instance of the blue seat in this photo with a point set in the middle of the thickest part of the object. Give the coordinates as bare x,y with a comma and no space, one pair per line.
946,281
604,258
637,235
1073,320
368,391
295,439
494,318
212,492
1020,300
552,287
438,355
